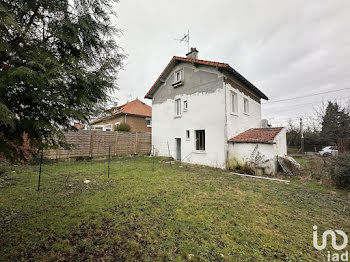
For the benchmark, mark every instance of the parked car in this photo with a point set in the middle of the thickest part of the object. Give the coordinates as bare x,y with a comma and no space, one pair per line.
329,151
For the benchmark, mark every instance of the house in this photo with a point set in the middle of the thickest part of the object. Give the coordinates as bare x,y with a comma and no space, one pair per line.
199,109
135,113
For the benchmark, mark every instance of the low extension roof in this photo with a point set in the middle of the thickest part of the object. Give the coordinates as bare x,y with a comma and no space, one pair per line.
221,66
257,135
135,107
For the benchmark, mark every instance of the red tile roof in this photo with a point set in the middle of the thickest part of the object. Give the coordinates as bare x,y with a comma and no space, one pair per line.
135,107
257,135
220,65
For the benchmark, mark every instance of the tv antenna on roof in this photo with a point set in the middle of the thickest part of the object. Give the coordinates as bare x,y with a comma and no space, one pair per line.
185,39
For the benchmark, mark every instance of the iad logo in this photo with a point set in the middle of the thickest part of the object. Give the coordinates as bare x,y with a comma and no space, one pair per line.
332,256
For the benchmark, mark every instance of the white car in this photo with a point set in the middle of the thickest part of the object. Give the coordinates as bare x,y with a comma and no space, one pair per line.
329,151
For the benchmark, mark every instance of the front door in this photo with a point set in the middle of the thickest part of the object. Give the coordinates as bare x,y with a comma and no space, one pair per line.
178,149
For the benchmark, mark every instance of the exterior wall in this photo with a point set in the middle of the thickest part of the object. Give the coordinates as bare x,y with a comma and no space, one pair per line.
203,90
280,148
240,121
253,157
137,123
258,157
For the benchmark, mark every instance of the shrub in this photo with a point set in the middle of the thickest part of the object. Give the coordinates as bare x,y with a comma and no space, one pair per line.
124,127
341,171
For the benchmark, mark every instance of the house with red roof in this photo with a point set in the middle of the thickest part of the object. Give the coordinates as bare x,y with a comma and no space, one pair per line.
204,112
135,113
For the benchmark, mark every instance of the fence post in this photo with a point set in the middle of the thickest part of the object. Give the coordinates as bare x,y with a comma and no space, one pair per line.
153,159
91,143
136,141
109,157
116,143
41,162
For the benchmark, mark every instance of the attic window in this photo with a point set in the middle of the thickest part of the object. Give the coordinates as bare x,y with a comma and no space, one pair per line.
178,76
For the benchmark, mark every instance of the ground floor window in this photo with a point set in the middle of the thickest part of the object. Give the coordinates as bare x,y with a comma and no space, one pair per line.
200,139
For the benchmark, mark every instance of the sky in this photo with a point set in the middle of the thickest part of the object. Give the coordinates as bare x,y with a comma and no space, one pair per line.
287,49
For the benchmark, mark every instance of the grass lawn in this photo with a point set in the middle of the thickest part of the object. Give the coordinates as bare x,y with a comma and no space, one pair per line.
172,213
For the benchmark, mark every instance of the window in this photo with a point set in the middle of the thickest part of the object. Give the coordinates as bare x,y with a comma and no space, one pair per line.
149,121
178,107
185,105
187,134
234,103
108,127
178,76
246,106
97,128
200,140
117,124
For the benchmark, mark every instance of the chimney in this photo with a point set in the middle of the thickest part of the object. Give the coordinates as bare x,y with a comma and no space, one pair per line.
193,53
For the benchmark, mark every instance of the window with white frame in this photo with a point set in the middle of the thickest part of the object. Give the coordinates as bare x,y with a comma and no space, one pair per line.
187,134
97,128
179,75
178,107
246,105
234,103
108,127
149,121
200,140
185,105
117,124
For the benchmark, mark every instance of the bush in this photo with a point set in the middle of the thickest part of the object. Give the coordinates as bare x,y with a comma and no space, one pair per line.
124,127
341,171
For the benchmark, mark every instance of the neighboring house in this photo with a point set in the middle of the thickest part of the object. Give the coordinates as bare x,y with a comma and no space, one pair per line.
199,107
135,113
79,126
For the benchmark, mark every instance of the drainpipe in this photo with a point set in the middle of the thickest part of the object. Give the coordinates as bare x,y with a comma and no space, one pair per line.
225,126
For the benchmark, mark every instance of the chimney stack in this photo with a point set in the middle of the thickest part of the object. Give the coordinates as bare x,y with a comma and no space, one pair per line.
193,54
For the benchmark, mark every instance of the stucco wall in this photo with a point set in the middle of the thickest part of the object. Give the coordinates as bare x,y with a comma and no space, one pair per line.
257,157
240,121
280,148
203,90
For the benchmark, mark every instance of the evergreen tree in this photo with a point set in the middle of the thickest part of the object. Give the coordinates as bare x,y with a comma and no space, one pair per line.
335,123
58,62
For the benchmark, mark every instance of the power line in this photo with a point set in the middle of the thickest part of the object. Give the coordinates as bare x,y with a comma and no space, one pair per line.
291,107
287,99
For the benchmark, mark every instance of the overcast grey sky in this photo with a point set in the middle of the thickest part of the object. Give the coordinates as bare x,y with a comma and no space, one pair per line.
285,48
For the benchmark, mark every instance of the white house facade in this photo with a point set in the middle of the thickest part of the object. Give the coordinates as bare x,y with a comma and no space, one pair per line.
197,106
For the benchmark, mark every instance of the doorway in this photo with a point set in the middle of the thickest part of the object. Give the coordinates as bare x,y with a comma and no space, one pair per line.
178,149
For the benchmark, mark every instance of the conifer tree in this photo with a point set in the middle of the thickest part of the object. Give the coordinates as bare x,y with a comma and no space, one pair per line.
58,62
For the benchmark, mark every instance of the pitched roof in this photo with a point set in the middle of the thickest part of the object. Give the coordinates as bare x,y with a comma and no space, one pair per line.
135,107
257,135
222,66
